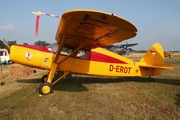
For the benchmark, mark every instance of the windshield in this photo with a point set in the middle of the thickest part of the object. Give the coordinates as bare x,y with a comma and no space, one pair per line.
65,51
53,47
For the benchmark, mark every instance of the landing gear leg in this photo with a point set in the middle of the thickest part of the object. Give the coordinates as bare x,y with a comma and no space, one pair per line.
46,87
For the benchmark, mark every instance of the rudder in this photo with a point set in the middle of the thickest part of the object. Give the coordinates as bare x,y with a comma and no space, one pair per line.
153,61
154,56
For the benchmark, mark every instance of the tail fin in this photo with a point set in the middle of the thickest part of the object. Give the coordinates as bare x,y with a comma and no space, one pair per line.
154,58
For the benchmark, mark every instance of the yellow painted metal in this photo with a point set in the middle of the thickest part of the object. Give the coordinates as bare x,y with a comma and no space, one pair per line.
90,67
54,64
38,59
168,54
146,67
151,64
52,72
46,89
83,25
65,73
153,59
154,56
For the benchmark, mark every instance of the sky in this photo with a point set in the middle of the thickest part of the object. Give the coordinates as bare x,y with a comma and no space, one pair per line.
156,20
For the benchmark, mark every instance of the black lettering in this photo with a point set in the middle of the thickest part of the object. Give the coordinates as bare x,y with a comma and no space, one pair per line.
117,68
87,17
125,70
111,68
121,69
83,23
129,70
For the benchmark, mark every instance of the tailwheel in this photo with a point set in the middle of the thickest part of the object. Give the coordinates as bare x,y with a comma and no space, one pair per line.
44,78
45,88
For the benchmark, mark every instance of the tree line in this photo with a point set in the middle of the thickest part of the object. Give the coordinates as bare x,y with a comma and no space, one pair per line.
39,42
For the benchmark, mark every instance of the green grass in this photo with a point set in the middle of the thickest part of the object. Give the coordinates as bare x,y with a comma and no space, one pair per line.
81,97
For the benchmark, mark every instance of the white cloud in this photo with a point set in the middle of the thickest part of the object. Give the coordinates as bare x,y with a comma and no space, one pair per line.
9,26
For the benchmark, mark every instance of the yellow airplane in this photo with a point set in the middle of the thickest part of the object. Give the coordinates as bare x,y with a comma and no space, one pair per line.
80,36
168,54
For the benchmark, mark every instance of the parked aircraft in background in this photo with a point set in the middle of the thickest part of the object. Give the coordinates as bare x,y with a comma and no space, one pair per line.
122,49
169,54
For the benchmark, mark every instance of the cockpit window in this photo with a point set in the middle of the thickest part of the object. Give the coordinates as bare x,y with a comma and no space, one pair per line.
66,51
53,47
81,53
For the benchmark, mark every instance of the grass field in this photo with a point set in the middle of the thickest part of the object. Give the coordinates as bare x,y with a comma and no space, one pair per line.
97,98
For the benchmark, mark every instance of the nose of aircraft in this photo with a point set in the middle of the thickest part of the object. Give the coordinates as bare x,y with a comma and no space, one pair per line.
30,55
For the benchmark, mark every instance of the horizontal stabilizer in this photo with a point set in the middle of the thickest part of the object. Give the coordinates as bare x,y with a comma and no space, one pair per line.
158,66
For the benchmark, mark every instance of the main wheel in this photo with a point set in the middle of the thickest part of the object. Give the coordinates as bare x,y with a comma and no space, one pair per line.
45,88
44,78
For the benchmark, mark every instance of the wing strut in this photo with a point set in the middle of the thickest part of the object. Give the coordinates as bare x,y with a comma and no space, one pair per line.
65,73
54,65
83,45
87,42
60,46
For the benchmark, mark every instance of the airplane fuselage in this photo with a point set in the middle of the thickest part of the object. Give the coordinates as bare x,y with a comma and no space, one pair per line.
97,61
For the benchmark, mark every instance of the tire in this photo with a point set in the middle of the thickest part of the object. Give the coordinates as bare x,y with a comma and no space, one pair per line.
45,88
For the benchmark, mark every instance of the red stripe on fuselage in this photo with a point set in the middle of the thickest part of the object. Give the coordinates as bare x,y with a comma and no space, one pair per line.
35,47
93,56
99,57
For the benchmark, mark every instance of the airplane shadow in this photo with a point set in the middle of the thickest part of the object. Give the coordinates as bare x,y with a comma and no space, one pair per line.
75,84
177,100
77,81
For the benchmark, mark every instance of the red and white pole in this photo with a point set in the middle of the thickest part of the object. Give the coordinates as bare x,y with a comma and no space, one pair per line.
38,14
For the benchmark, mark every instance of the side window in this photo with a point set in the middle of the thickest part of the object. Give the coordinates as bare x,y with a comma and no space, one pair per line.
53,47
1,53
66,51
81,53
5,53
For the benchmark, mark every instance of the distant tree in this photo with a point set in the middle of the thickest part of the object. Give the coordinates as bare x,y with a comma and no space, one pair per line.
1,44
141,51
11,42
41,43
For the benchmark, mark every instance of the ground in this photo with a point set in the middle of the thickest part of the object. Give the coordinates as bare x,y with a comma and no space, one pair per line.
85,97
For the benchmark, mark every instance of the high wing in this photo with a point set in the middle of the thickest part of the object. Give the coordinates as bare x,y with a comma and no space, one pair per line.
93,27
